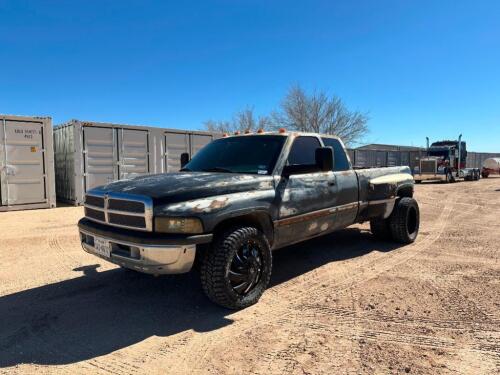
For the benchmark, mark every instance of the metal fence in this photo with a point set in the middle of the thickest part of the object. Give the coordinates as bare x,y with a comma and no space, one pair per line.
476,159
379,158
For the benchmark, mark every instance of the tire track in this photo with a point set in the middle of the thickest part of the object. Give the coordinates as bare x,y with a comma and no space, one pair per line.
291,308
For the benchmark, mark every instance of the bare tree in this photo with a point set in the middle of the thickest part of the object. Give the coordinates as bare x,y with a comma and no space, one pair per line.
320,113
241,121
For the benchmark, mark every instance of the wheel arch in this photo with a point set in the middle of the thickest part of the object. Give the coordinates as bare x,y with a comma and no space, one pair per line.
259,219
405,190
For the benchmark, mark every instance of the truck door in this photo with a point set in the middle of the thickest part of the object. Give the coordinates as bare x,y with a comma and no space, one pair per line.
22,167
305,200
347,185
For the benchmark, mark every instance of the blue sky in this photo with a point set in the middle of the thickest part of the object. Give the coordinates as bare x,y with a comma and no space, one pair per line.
418,67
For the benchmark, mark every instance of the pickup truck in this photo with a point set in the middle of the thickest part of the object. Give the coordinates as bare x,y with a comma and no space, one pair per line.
237,200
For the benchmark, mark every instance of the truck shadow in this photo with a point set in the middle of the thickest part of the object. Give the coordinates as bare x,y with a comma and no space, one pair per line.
97,313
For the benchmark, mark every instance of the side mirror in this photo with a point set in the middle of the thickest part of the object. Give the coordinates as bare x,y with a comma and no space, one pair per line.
324,158
184,159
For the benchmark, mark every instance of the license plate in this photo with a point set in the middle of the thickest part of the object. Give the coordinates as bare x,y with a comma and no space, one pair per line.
102,247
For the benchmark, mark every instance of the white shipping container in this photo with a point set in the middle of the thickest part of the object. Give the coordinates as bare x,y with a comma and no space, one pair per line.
89,154
26,163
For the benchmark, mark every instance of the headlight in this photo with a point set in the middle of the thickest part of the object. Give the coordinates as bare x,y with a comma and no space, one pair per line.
178,225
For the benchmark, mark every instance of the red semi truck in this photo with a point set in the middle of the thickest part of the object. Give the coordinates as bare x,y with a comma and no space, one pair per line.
445,161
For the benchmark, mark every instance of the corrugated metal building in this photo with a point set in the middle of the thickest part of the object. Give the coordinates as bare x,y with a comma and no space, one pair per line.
26,163
89,154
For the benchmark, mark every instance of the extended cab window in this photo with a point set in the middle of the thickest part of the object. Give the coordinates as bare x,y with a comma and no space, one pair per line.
339,155
303,151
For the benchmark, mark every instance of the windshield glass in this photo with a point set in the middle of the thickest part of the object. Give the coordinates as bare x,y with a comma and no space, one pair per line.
246,154
443,153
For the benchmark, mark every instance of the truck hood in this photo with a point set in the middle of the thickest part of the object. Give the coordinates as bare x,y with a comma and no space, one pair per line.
184,186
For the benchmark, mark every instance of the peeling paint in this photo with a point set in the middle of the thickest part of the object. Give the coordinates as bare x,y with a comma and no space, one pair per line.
313,226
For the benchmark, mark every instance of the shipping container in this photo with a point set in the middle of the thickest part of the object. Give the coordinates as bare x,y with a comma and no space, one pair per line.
89,154
26,163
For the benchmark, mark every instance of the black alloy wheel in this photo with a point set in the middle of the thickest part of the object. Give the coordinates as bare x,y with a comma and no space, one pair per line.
245,270
236,269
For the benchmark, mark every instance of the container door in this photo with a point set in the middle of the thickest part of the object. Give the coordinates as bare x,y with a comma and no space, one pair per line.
175,145
99,156
133,153
198,142
22,167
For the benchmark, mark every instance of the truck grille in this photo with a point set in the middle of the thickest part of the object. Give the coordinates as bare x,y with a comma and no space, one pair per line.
120,210
428,166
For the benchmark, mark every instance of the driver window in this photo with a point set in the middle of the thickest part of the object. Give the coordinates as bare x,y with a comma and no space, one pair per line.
303,151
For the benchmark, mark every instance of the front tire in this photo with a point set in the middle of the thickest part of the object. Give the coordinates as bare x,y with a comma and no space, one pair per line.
449,177
404,221
236,270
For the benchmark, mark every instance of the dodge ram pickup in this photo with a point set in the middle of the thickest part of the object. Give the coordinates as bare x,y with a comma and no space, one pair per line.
235,201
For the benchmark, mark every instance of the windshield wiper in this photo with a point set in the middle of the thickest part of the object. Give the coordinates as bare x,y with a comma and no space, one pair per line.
217,169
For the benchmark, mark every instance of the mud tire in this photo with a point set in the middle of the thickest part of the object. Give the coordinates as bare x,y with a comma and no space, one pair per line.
404,221
217,261
449,177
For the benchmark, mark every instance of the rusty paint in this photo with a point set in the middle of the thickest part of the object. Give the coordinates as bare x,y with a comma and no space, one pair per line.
305,217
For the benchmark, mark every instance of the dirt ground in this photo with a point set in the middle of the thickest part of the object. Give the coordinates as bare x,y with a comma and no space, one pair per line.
342,304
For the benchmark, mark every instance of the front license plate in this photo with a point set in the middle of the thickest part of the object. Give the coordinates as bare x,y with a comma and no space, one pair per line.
102,247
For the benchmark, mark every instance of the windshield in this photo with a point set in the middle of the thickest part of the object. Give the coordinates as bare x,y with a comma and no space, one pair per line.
442,153
246,154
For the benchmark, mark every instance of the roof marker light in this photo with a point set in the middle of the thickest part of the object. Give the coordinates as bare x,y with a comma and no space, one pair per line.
282,130
247,131
260,131
224,135
237,132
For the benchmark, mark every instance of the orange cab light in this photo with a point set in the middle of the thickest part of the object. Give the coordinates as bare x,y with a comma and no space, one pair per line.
260,131
237,132
224,135
247,131
282,130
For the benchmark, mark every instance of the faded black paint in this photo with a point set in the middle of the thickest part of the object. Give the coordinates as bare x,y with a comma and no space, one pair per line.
343,198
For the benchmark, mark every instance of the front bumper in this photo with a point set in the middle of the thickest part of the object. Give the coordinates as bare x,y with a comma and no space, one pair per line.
144,252
429,176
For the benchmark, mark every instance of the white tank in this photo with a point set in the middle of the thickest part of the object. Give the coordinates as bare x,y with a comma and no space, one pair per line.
492,163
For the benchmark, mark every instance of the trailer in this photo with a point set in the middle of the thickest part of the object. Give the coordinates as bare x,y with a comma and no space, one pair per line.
445,161
26,163
490,166
89,154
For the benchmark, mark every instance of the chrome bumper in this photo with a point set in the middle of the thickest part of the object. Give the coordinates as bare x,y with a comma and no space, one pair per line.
151,259
429,176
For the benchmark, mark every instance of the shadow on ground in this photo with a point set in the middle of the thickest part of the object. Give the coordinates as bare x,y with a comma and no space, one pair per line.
99,312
